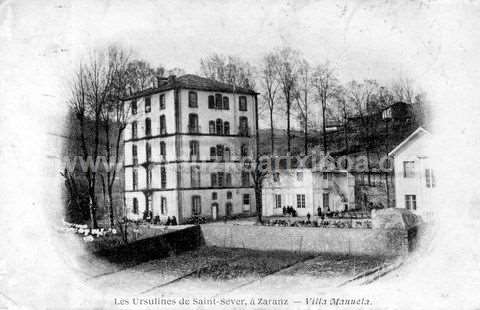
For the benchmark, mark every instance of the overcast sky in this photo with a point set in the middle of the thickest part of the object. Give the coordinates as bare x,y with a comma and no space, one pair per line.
361,39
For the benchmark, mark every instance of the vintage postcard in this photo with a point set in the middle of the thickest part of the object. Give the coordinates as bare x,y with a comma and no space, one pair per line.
239,154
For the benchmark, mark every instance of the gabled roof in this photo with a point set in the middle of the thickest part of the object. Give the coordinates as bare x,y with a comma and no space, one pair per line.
419,130
191,81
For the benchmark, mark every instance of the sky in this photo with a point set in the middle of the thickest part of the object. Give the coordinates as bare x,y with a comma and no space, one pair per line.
434,43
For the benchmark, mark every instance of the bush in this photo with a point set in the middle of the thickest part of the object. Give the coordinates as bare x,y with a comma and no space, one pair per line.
196,220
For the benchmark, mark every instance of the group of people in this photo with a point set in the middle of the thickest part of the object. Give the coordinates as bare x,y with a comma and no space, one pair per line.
156,220
289,211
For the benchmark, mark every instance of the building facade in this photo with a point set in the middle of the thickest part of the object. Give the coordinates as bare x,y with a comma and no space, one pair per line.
414,174
306,190
183,147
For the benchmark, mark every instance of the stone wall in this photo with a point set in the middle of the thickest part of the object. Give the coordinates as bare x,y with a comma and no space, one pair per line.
308,239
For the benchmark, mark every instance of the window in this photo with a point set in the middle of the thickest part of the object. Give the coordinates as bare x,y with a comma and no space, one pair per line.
163,176
220,178
148,206
276,177
135,206
226,104
411,202
219,127
408,169
134,154
242,103
218,101
213,179
228,180
162,102
148,106
226,154
148,152
211,102
192,123
246,199
192,99
300,176
134,130
134,109
196,205
326,201
245,178
163,150
148,127
226,128
214,196
429,178
220,152
243,128
194,150
244,150
149,177
213,153
278,201
163,205
300,201
195,176
134,179
229,195
211,127
163,125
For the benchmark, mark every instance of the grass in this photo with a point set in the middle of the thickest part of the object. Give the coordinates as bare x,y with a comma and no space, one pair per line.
227,263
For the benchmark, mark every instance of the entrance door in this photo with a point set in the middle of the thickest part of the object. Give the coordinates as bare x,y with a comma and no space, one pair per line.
246,203
326,204
228,209
214,211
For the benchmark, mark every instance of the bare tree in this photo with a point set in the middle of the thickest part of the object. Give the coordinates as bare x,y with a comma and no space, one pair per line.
403,90
287,69
302,97
270,85
228,69
89,93
114,118
363,97
325,82
341,110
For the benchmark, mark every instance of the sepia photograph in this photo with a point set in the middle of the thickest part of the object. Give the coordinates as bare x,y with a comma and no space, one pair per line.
239,154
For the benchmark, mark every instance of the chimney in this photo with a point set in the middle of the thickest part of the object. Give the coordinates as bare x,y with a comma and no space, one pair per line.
171,79
161,80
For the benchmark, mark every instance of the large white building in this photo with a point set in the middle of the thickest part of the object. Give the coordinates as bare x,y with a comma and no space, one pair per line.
306,190
414,174
183,145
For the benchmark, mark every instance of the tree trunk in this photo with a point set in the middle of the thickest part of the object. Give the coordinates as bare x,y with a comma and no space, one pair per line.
305,141
288,124
272,146
110,203
258,202
324,127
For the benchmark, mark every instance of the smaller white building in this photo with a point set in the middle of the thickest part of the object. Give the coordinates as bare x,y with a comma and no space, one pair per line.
307,190
414,176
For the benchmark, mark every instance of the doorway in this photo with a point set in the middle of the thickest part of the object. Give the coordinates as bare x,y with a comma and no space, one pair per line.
228,209
214,211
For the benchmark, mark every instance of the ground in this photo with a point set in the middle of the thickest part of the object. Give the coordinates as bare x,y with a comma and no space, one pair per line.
215,271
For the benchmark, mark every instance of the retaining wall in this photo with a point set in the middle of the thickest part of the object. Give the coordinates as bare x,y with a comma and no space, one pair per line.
307,239
160,246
